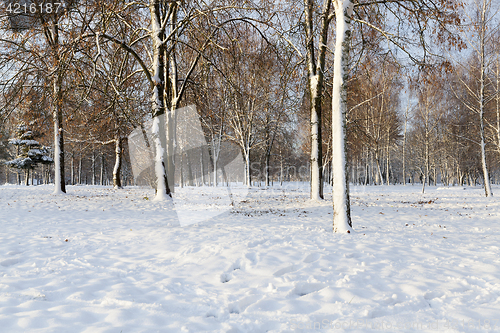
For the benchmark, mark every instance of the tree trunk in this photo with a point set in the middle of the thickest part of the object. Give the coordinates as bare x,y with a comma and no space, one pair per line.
486,177
378,177
281,169
158,130
316,82
267,169
117,183
248,178
181,171
341,206
387,180
189,169
93,167
202,166
80,170
59,184
497,99
72,169
102,169
215,172
404,143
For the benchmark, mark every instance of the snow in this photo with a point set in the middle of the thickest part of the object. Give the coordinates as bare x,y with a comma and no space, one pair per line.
105,260
20,162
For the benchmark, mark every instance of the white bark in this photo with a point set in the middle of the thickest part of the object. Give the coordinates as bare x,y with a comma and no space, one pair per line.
171,146
341,208
315,149
59,184
158,130
158,134
58,161
117,183
216,144
482,54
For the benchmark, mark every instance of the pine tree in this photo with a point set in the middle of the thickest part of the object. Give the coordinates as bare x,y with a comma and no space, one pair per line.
29,152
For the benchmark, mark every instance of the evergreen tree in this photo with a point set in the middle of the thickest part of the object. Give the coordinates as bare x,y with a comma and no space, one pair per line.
29,152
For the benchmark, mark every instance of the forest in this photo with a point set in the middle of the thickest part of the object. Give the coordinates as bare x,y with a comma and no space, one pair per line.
327,92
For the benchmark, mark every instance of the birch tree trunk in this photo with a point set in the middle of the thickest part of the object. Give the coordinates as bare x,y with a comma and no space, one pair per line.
93,167
80,164
118,163
486,176
102,170
158,131
202,166
404,143
248,178
72,168
315,69
341,207
59,184
497,100
387,180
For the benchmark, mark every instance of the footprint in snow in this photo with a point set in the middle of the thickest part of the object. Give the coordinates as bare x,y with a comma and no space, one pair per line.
225,277
430,295
253,257
255,243
302,289
9,262
242,304
288,269
312,258
228,275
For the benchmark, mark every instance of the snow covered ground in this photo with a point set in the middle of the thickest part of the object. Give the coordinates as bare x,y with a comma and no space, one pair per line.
104,260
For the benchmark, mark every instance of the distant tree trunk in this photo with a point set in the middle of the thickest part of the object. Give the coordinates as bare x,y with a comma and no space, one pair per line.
497,100
93,168
378,176
404,143
80,169
216,146
59,183
215,171
102,169
117,183
181,165
281,169
387,180
202,166
72,168
248,179
189,170
427,158
267,169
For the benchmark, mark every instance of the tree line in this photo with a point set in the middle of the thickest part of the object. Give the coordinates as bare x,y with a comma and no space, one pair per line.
362,92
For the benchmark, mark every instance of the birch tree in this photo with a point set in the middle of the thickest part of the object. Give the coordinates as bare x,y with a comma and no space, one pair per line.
48,38
415,11
316,76
484,27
